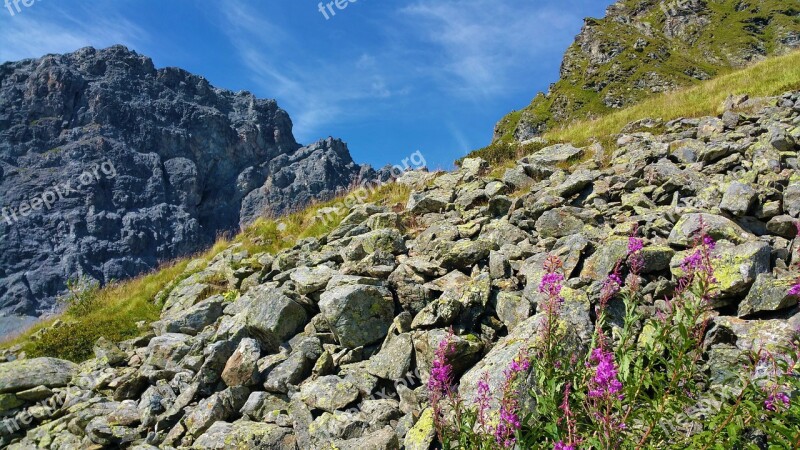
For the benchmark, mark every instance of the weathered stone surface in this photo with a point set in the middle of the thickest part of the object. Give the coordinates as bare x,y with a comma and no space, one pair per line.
242,434
26,374
273,317
329,393
358,314
394,360
310,280
218,407
242,367
559,222
166,351
688,228
767,294
739,199
791,200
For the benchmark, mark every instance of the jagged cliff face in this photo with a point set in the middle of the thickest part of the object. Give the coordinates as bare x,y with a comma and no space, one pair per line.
109,166
644,47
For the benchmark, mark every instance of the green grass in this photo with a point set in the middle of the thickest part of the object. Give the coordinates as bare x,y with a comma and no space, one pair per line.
715,49
771,77
114,310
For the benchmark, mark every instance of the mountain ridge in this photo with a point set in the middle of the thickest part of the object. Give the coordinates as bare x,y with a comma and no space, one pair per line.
191,161
642,47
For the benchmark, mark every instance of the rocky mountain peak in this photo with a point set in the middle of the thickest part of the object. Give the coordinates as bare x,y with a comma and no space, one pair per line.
185,161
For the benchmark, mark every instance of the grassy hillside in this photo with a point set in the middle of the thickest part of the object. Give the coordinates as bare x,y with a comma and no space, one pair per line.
644,47
114,310
767,78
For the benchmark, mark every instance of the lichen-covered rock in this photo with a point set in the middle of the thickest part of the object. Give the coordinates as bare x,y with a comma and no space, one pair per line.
421,436
358,314
394,360
689,227
739,199
242,434
329,393
273,317
767,294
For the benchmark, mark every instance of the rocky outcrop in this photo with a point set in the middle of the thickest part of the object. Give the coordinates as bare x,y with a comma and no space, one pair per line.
322,350
109,166
642,47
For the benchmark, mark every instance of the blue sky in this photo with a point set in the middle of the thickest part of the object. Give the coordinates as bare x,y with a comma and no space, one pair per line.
388,77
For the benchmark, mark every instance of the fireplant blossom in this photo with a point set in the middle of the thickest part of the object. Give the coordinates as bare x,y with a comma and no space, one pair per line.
509,423
605,379
773,401
483,401
560,445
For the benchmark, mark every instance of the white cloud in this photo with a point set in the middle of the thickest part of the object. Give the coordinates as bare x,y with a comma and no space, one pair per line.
483,43
315,91
44,28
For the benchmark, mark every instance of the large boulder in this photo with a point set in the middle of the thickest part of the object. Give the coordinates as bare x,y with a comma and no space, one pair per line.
24,374
245,434
690,226
358,314
273,317
329,393
767,294
739,199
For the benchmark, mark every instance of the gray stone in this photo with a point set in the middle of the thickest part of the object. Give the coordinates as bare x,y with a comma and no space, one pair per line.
394,359
791,200
194,319
329,393
244,434
688,229
783,226
766,295
166,351
261,404
242,367
559,222
358,315
739,199
218,407
273,318
310,280
512,309
24,374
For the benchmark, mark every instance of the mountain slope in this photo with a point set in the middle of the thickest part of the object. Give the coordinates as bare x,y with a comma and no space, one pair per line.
109,166
336,341
644,47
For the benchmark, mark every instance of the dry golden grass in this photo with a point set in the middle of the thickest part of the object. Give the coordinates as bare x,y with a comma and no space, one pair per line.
773,76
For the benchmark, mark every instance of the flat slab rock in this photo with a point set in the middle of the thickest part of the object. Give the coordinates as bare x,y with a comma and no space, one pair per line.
26,374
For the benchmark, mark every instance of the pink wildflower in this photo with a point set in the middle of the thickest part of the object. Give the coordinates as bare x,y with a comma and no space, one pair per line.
774,401
509,423
560,445
551,284
483,400
605,379
634,245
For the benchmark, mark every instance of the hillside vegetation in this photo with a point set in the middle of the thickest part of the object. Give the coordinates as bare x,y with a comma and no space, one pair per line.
645,47
766,78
